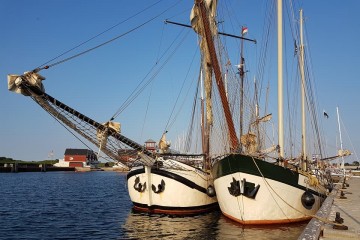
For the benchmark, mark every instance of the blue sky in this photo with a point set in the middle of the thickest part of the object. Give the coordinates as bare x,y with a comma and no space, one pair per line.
97,83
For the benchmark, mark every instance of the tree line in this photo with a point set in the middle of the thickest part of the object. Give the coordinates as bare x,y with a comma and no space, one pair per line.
10,160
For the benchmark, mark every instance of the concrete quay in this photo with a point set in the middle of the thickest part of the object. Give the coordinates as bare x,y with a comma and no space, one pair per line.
342,211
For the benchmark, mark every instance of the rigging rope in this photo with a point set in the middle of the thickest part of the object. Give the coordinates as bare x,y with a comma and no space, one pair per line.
146,112
53,116
169,124
140,88
100,33
190,131
305,214
104,43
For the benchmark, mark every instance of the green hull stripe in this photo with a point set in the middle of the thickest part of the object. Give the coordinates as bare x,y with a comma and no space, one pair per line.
245,164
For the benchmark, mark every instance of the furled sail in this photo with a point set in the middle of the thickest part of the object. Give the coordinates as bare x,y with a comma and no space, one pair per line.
263,119
343,153
211,6
163,144
266,118
32,78
249,142
102,135
195,18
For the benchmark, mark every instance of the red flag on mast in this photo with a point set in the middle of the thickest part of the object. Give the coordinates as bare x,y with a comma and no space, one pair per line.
244,30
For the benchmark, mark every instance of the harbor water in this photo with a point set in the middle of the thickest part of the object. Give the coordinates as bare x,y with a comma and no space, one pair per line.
96,205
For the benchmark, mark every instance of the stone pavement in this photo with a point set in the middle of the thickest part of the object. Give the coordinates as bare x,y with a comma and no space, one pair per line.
348,206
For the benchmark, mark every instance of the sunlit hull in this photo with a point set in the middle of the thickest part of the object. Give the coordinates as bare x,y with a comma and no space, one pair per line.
252,191
181,190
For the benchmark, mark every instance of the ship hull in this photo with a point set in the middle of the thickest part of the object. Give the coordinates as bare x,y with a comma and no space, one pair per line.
254,192
173,191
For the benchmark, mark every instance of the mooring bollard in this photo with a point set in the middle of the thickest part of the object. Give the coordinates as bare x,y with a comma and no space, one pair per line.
342,195
339,220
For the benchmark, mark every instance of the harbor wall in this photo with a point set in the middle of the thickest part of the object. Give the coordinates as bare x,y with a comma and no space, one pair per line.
15,167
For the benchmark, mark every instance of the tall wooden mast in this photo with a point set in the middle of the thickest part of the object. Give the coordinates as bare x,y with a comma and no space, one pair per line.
242,75
280,80
303,87
205,128
341,143
234,142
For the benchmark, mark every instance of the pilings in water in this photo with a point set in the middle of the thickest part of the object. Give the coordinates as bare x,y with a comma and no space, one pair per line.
14,167
43,167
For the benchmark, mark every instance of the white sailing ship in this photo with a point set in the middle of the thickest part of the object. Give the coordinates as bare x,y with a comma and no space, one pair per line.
157,183
251,186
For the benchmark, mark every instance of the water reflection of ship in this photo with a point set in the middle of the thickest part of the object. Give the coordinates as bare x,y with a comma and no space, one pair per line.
156,226
207,226
228,229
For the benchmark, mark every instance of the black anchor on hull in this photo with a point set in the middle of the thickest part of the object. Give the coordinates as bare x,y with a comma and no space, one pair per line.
138,186
247,189
234,188
161,187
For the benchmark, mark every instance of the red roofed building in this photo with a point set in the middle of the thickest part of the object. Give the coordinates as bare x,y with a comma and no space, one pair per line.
80,157
150,145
